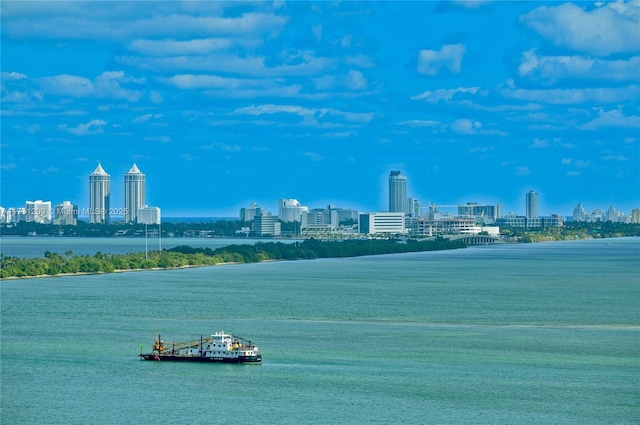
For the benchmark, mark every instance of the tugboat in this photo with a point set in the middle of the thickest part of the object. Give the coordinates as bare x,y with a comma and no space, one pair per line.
218,348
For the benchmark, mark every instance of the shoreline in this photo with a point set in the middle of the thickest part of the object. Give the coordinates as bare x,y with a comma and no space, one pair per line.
264,261
191,266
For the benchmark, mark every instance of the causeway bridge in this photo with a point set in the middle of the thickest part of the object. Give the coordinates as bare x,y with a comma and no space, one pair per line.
475,239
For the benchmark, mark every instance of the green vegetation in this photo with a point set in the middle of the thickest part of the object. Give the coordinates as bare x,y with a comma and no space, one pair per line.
573,231
182,256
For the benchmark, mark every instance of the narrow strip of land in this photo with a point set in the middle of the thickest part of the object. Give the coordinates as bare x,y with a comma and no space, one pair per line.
53,264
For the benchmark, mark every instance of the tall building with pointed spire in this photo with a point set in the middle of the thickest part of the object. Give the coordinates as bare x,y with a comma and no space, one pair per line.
134,193
99,195
397,192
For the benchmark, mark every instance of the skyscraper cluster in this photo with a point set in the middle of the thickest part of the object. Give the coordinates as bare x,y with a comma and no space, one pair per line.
135,210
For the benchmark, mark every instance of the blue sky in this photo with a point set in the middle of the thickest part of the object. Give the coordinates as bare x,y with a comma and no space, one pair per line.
223,104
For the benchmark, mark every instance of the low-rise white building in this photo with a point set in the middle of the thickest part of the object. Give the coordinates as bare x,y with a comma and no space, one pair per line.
388,223
149,215
266,224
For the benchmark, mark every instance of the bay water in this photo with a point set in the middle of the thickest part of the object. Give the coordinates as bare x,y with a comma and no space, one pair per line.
544,333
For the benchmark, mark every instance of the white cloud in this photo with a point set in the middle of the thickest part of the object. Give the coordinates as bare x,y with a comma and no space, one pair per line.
435,96
155,97
362,61
87,129
340,134
522,171
160,139
314,156
553,68
290,64
13,76
310,116
613,157
67,85
106,85
77,21
575,96
420,123
611,28
203,81
449,57
317,31
539,143
472,4
145,118
613,118
467,126
578,163
218,86
179,47
353,80
222,146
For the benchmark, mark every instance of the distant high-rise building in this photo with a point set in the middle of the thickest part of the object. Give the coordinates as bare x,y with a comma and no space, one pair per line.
414,207
578,213
134,182
532,205
397,192
66,214
247,214
613,215
38,211
485,214
99,196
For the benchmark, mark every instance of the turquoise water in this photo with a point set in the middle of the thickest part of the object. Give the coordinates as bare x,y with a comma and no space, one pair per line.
538,333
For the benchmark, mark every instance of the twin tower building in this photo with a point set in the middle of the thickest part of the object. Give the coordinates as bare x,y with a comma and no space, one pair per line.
134,210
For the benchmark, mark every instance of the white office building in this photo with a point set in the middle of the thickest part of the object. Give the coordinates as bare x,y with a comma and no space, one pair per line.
320,219
134,194
290,210
38,211
387,223
247,214
99,195
266,224
66,214
148,215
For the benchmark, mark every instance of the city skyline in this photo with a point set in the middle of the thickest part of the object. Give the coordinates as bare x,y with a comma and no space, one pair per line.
224,104
101,210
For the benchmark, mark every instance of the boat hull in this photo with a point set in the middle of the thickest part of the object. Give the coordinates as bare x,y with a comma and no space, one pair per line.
200,359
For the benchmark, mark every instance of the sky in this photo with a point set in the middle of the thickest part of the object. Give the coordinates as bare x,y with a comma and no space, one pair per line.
224,104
